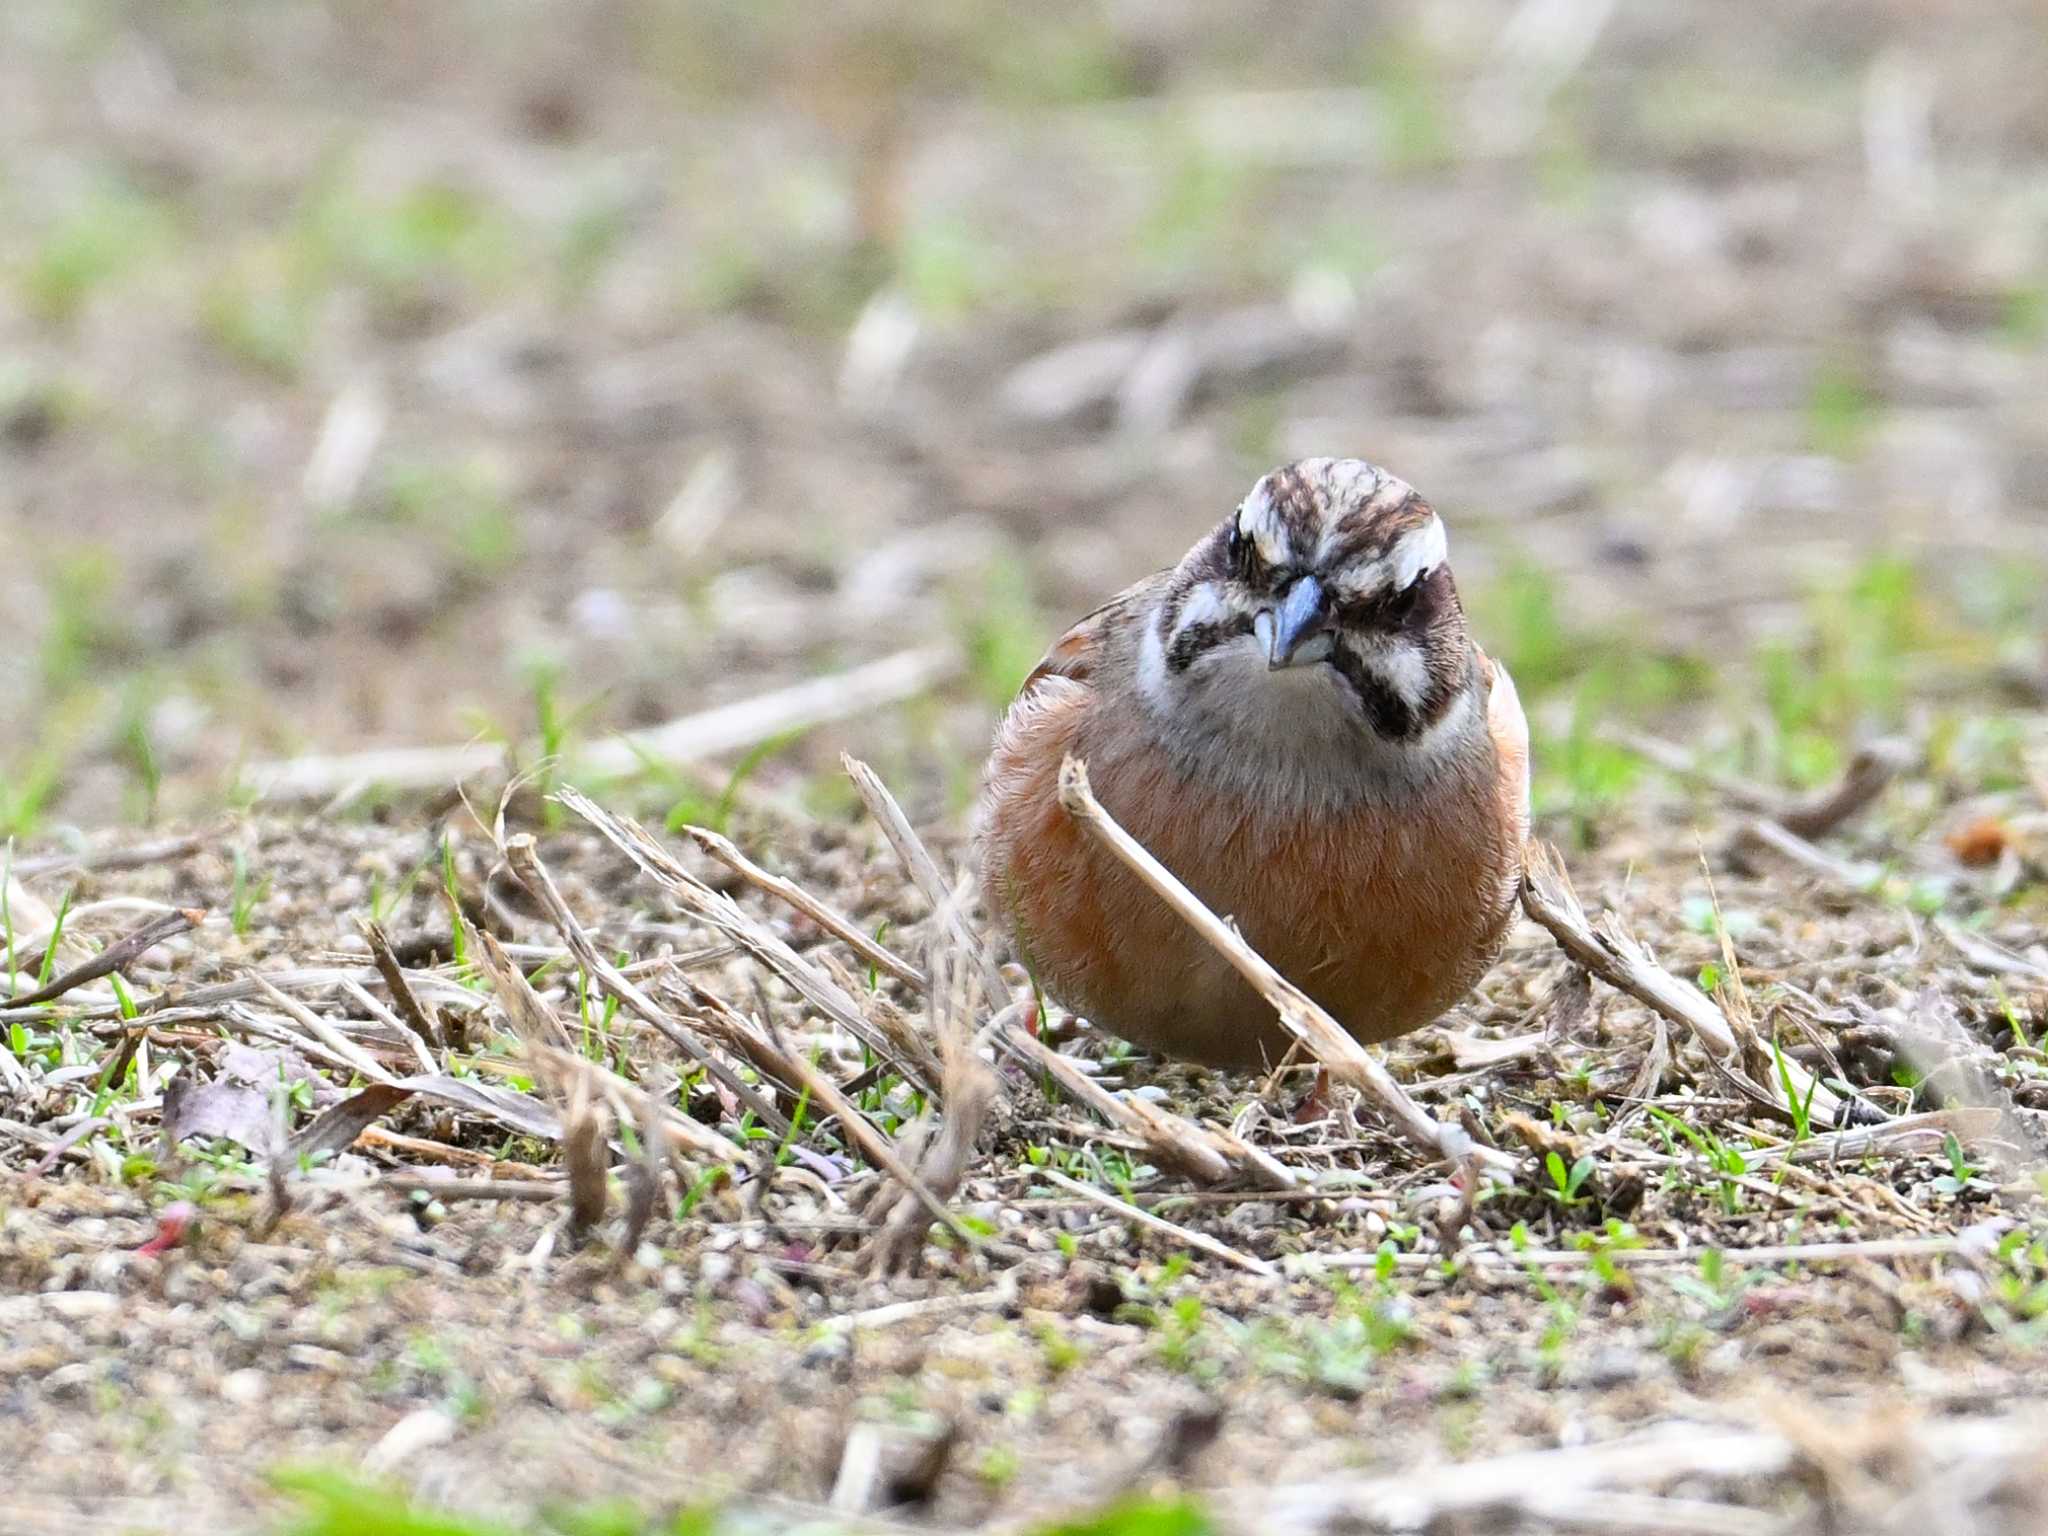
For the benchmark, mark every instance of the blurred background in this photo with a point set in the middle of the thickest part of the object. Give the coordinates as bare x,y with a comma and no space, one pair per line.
375,374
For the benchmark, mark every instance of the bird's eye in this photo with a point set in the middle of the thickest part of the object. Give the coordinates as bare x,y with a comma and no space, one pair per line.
1401,604
1389,610
1243,554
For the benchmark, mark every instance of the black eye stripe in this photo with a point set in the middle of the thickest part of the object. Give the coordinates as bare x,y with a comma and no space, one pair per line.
1245,561
1197,638
1394,610
1386,711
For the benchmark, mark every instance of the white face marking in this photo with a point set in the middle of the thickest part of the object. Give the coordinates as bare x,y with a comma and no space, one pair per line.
1400,665
1450,726
1416,552
1205,604
1257,521
1152,666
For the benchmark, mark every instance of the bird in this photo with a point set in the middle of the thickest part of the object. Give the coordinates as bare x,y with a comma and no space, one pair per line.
1297,722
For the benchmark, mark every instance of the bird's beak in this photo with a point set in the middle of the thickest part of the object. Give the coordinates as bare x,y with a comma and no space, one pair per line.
1299,617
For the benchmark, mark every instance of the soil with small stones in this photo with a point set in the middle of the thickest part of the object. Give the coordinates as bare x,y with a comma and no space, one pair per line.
472,1348
1761,298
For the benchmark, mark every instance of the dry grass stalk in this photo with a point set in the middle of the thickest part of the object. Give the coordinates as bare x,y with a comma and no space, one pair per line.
418,1017
1850,876
196,1002
547,1045
1176,1141
583,1120
324,1032
1322,1036
683,1133
524,861
905,1038
1968,1125
140,856
970,1092
1615,956
1201,1242
874,1147
795,896
690,739
518,1191
241,1019
1172,1140
1496,1262
585,1154
722,914
532,1020
924,873
116,956
768,1052
360,996
1983,955
643,1179
1812,816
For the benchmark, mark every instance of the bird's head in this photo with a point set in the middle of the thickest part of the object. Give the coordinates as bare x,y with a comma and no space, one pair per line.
1322,608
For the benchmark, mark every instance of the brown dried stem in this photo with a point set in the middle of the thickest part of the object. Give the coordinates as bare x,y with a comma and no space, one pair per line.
1805,816
116,956
924,873
795,896
1200,1152
417,1016
524,862
1617,957
1319,1034
1201,1242
721,913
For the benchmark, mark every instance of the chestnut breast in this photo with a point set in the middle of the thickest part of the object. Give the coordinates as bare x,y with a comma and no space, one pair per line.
1385,914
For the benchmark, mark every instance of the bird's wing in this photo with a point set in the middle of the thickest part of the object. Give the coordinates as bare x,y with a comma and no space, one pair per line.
1509,728
1076,654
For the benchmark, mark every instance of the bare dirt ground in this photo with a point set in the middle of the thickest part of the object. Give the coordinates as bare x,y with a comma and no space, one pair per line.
377,380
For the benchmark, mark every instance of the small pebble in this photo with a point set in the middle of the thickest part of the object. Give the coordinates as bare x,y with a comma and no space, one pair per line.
244,1387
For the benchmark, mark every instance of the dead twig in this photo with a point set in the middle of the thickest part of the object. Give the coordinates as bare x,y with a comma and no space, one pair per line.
422,1021
924,873
721,913
523,859
690,739
584,1154
1201,1242
139,856
682,1132
970,1091
796,1069
1615,956
1200,1152
793,895
117,956
1321,1035
324,1032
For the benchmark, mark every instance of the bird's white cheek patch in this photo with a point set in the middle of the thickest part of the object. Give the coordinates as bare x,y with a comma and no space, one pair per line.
1455,721
1204,605
1152,666
1402,668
